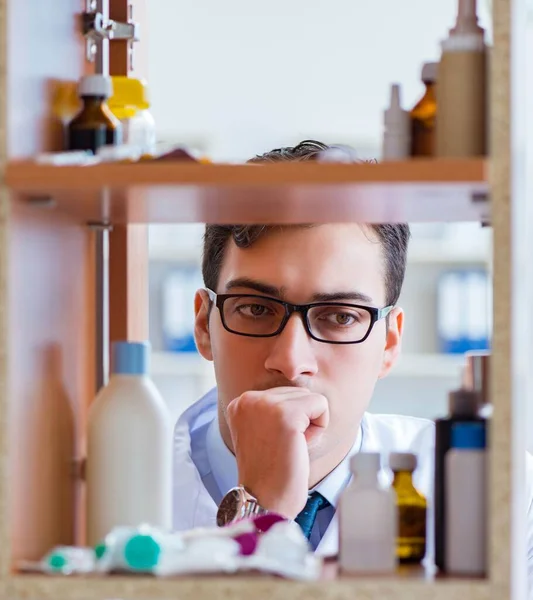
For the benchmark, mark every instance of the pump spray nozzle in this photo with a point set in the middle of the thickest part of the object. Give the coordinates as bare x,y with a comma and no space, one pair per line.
467,21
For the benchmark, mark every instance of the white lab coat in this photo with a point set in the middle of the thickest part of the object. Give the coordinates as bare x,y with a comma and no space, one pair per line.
194,507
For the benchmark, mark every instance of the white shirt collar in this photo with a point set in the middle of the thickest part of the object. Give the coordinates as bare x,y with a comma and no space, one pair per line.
332,486
224,466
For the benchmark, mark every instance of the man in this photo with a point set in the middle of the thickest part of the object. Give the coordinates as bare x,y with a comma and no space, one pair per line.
300,322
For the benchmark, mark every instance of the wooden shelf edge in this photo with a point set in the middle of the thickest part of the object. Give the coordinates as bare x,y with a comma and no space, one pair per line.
395,192
27,176
26,587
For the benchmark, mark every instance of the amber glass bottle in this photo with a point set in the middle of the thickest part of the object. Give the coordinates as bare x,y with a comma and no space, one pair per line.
95,125
423,115
412,508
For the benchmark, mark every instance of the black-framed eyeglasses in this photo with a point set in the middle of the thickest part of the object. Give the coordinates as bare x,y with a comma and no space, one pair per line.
253,315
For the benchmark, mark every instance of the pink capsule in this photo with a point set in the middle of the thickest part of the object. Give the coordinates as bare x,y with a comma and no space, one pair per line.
247,542
264,522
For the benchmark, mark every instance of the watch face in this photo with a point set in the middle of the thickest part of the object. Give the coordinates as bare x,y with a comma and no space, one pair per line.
230,507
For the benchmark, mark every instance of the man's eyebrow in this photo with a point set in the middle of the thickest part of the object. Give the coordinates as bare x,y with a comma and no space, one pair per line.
342,296
257,286
272,290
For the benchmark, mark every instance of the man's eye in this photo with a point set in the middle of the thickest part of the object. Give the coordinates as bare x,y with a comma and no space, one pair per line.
343,318
252,310
340,319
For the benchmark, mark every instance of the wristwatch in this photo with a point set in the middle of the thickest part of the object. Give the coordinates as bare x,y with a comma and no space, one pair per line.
238,504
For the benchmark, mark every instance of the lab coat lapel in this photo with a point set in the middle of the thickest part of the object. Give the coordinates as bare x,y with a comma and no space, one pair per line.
192,503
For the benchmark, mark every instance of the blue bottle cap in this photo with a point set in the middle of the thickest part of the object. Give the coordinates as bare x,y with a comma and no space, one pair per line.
471,436
130,358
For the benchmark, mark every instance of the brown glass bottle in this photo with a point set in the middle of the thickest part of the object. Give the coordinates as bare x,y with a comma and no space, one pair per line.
412,509
95,125
423,115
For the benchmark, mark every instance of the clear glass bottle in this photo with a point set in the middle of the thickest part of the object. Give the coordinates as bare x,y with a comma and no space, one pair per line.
412,509
95,125
424,115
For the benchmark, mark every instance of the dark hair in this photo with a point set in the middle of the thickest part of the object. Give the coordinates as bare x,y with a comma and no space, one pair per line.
393,237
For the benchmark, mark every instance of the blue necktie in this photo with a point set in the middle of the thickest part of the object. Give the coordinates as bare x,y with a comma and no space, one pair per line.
306,519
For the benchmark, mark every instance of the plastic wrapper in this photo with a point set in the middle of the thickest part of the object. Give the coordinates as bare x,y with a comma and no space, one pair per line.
135,549
68,560
69,158
267,544
120,153
274,546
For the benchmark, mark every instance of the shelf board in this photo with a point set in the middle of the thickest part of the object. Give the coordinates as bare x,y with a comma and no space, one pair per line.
428,365
181,256
25,587
446,252
425,253
183,364
187,364
165,192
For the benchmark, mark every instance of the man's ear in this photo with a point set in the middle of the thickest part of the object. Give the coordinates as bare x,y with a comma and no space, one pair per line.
202,335
393,342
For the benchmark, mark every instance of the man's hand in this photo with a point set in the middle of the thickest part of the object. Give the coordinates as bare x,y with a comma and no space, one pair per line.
270,430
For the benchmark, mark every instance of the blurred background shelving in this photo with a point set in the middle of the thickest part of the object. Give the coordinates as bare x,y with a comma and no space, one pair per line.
418,385
281,101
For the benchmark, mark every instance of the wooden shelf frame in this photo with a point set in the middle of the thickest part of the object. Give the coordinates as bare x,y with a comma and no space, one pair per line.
165,192
56,243
238,588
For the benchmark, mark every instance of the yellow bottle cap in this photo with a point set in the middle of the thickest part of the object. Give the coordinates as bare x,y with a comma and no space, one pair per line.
123,112
129,96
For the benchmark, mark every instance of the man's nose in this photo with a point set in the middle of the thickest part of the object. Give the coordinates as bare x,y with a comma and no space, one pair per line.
292,352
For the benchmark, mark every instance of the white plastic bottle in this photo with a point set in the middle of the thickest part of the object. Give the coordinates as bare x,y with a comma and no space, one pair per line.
142,132
130,103
397,132
466,501
461,125
129,449
368,520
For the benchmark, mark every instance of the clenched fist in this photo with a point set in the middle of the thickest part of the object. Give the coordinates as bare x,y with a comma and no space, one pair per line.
271,431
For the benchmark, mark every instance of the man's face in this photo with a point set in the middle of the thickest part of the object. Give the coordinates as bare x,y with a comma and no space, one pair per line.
301,263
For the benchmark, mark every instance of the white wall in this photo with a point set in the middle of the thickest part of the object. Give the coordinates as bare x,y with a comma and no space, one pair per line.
243,76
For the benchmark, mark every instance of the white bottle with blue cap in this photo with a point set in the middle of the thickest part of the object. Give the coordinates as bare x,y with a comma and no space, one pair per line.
466,500
129,448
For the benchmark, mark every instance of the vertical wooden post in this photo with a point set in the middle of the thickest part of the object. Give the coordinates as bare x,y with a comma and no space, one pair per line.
128,244
128,283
